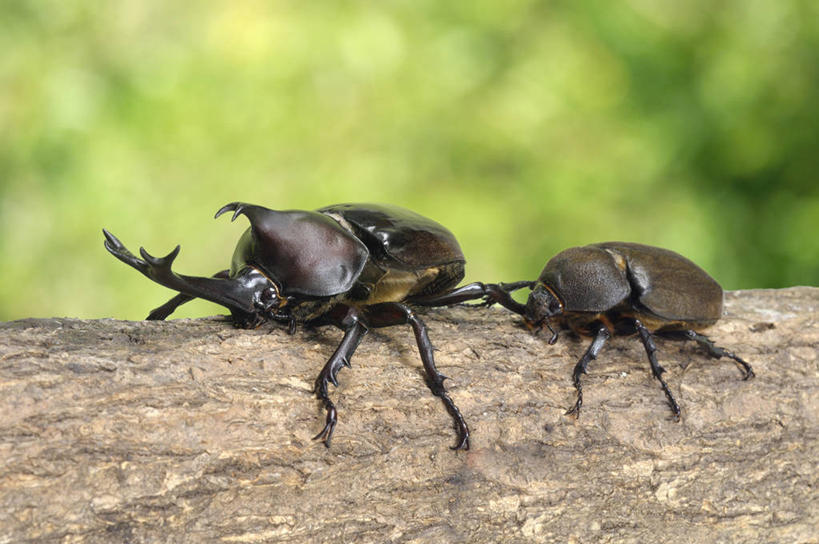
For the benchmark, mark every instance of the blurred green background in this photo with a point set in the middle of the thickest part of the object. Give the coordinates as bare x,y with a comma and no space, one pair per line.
524,126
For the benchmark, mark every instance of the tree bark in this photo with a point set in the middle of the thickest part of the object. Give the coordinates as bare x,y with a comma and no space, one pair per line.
193,431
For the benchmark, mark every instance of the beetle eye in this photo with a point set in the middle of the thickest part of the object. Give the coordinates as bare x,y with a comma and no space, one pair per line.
267,299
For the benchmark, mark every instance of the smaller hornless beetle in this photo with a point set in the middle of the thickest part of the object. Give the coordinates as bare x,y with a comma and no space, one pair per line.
617,288
355,266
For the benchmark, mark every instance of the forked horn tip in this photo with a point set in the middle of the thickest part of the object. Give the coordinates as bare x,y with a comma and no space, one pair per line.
235,207
112,243
110,237
159,261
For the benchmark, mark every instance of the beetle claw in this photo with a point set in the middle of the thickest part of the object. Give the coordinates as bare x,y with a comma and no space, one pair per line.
332,378
463,442
326,434
573,411
677,415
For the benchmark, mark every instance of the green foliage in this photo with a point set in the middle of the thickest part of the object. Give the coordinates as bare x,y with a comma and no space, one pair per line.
524,126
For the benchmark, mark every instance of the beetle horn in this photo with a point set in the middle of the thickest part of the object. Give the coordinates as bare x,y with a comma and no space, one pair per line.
235,207
229,293
286,244
252,211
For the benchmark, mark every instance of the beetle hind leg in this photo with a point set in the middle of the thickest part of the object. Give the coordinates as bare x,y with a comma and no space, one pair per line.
718,352
656,369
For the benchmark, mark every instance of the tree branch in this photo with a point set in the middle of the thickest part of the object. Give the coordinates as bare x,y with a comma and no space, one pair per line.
192,430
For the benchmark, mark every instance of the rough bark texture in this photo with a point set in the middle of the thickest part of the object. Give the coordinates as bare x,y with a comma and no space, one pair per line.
191,431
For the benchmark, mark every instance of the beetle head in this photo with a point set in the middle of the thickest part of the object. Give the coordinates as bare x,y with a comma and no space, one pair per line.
541,305
263,293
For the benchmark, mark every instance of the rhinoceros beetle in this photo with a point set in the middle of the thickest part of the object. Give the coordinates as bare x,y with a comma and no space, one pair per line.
617,288
355,266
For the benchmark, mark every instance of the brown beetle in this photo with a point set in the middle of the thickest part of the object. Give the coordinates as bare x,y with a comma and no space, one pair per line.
617,288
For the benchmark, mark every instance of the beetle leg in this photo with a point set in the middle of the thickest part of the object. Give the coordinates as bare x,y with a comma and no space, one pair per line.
600,338
491,293
354,331
718,352
395,313
162,312
656,369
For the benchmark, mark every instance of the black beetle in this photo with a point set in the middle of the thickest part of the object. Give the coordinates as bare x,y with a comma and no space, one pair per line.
617,288
355,266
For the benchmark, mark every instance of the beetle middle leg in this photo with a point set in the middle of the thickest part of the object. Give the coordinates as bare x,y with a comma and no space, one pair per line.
718,352
656,369
394,313
600,338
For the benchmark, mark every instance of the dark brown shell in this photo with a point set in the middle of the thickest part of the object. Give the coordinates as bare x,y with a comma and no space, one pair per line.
304,253
397,237
586,279
655,281
669,285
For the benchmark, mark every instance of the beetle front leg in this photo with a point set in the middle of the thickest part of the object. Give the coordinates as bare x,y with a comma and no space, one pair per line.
395,313
600,338
656,369
354,331
492,293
